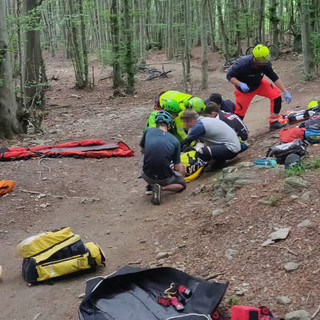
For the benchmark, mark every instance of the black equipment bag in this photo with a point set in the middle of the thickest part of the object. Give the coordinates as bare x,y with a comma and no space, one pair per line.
281,151
132,293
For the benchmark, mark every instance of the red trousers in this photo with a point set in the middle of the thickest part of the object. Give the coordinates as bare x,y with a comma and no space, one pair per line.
266,89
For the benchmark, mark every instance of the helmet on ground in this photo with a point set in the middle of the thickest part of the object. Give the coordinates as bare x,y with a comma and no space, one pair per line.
164,117
172,106
313,104
261,53
197,104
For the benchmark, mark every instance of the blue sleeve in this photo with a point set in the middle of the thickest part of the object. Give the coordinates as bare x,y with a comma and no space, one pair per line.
237,69
197,131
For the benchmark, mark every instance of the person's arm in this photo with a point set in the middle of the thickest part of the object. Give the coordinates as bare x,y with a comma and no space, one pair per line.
279,84
142,150
235,81
180,167
142,141
197,131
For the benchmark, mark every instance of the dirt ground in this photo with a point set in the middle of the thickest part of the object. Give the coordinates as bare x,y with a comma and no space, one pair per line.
103,200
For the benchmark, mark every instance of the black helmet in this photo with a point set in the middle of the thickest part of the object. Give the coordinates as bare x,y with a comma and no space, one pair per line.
163,116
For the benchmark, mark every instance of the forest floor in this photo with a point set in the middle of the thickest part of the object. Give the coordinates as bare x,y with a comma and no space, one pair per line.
103,200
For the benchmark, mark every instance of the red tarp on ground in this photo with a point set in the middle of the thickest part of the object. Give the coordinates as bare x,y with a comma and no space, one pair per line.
89,148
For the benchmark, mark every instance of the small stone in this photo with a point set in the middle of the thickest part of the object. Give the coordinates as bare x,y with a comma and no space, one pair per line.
306,195
162,255
305,223
290,266
283,300
280,234
267,243
298,315
216,212
230,253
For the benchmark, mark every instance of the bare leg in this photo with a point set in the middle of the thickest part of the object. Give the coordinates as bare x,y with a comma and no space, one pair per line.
173,188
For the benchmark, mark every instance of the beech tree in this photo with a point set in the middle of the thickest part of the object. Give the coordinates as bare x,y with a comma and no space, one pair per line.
11,118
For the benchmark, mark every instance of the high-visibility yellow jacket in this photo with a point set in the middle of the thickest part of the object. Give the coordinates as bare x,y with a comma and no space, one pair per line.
180,97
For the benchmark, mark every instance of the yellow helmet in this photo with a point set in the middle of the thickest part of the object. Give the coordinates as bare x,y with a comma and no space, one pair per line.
261,53
313,104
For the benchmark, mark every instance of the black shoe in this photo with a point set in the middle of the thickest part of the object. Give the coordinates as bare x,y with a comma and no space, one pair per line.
276,125
156,194
148,189
212,167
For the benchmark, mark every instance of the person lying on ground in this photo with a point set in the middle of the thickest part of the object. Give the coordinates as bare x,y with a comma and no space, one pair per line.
224,103
247,77
221,141
159,148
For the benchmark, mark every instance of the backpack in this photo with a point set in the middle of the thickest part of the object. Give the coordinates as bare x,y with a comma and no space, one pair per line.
139,294
312,127
312,135
281,151
54,254
291,134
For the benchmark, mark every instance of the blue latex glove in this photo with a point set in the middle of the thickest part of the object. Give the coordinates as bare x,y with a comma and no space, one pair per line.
244,87
287,96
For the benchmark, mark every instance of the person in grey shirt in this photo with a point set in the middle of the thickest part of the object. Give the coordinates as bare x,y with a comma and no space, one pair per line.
220,140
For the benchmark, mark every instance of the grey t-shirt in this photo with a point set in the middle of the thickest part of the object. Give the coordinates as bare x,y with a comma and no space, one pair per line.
218,132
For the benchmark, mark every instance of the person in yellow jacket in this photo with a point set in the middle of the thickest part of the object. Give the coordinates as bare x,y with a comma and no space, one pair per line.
185,100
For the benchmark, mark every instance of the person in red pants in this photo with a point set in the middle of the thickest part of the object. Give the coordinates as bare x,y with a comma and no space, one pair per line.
247,77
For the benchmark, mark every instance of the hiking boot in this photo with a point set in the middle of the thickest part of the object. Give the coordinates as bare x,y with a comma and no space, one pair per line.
156,194
148,189
276,125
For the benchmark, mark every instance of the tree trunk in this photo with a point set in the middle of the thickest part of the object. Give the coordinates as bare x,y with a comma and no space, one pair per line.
129,60
204,44
115,37
224,38
84,46
33,82
274,21
9,123
78,52
304,8
170,30
261,34
142,33
211,11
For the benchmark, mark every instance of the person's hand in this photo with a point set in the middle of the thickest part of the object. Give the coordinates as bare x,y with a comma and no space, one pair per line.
287,96
244,87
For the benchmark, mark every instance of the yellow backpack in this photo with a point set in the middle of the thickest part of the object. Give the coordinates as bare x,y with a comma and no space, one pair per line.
53,254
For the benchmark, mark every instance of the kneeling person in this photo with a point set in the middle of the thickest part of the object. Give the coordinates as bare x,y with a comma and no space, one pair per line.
160,148
221,141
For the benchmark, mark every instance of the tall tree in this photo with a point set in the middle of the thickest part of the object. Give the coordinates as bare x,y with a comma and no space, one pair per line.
77,40
274,21
34,76
115,38
204,43
211,10
129,54
224,38
11,122
142,33
305,9
170,30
